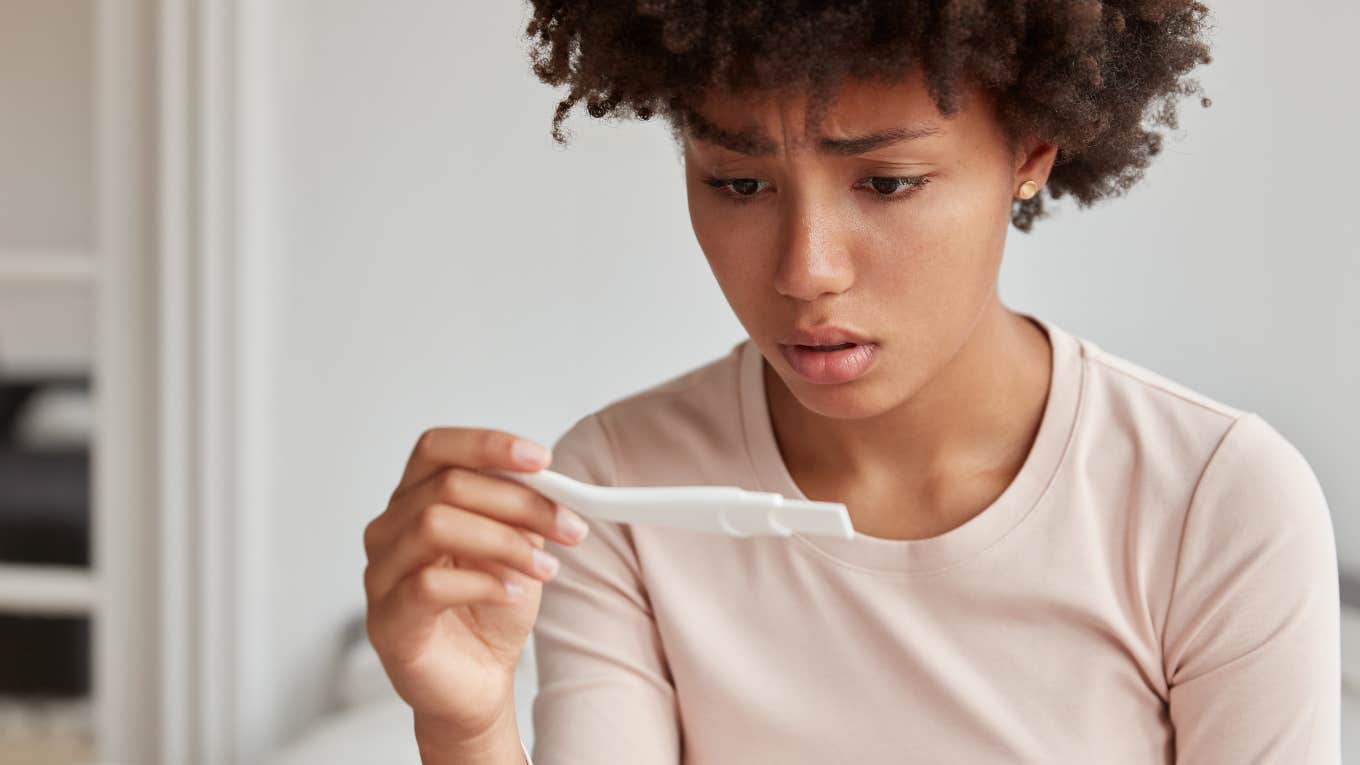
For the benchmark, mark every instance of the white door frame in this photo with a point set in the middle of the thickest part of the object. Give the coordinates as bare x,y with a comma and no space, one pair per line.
124,449
181,656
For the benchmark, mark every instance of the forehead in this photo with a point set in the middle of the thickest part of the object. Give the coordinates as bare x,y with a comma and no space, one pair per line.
862,116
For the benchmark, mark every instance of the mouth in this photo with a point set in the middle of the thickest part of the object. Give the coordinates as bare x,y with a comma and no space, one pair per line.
830,364
824,337
838,347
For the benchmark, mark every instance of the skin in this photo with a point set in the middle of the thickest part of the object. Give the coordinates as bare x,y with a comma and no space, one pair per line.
933,433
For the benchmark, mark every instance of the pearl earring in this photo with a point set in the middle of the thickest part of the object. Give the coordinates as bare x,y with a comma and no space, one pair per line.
1028,189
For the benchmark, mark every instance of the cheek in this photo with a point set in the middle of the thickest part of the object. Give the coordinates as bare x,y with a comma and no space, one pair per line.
706,217
939,249
731,239
728,251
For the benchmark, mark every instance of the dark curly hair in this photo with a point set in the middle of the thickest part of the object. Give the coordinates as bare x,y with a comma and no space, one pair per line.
1079,74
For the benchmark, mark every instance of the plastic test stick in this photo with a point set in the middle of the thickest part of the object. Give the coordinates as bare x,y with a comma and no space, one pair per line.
717,509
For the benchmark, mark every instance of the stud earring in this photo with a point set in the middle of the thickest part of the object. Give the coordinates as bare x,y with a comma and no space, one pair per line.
1028,189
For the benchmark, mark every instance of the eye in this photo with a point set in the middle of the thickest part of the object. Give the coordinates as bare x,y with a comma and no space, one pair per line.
736,189
891,189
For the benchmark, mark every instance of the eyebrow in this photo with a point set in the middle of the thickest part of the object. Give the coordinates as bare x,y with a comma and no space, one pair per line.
755,143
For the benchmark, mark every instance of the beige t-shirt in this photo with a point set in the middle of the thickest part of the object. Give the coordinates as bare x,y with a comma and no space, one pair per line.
1158,584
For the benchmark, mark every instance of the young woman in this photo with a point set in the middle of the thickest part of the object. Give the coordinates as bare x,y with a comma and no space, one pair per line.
1059,556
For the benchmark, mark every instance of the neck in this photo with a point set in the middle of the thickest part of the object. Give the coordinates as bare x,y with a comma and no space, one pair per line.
976,417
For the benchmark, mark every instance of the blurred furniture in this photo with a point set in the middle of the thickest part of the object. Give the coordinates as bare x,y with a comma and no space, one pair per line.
45,588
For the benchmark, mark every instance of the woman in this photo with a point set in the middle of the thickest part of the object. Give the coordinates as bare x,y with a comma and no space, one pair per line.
1059,556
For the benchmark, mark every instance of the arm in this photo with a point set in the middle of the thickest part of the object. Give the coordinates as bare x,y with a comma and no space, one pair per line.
1251,647
605,695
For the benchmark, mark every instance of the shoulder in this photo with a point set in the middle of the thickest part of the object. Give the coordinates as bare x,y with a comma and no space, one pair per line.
1221,447
1222,442
1256,563
1257,484
1116,380
1230,504
1201,471
1159,430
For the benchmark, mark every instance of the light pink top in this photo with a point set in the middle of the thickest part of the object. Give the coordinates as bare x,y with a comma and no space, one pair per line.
1158,584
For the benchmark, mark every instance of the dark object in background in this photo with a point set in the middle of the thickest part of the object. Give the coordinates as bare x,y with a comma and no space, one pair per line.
44,492
44,506
12,399
44,520
44,655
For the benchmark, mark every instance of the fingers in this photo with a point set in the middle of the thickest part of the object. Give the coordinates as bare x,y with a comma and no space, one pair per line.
473,448
507,501
441,529
408,611
500,571
452,535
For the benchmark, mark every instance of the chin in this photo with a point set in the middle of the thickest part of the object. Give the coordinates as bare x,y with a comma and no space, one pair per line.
860,398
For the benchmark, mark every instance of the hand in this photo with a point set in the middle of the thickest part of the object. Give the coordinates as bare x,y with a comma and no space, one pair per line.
439,556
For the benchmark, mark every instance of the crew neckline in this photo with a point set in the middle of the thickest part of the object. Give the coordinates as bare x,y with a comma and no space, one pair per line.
932,554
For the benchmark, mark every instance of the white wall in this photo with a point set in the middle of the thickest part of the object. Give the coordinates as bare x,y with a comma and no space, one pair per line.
439,261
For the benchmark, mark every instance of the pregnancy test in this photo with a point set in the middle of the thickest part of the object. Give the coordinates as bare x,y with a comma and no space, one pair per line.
727,510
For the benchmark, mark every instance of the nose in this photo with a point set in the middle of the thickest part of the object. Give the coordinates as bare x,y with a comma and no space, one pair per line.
815,256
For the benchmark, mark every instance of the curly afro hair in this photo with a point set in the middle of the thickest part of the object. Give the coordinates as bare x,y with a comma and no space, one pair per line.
1083,75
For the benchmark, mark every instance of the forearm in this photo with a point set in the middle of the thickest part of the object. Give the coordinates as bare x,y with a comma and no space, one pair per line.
499,745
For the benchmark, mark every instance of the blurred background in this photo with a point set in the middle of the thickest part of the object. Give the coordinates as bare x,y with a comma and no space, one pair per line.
250,250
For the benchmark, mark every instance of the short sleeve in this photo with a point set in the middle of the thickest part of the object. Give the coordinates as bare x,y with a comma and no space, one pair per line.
605,695
1252,643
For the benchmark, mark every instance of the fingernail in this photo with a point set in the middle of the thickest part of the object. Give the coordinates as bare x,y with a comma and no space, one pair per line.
545,562
528,453
512,590
569,524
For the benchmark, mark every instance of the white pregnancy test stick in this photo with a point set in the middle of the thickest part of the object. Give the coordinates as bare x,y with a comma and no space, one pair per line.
718,509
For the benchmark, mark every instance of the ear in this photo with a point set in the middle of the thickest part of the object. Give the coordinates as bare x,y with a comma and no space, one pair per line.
1034,161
